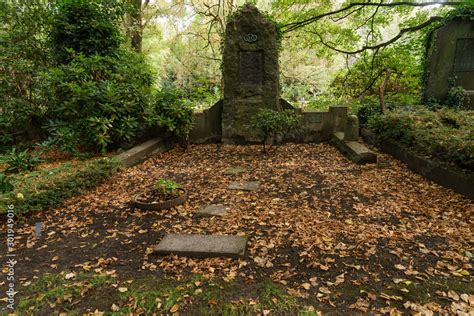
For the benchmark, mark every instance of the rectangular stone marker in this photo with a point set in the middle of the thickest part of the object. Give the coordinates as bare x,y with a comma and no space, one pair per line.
245,186
213,210
202,246
251,67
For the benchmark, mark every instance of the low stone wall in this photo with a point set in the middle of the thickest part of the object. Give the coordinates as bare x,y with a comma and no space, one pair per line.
317,126
207,125
454,179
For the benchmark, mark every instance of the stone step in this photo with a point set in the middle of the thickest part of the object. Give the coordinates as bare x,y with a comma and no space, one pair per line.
212,210
355,151
202,246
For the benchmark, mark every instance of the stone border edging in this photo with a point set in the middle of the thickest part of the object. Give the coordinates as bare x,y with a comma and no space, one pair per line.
141,152
453,179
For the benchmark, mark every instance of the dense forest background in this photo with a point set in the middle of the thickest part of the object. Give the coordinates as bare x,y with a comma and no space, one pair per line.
98,75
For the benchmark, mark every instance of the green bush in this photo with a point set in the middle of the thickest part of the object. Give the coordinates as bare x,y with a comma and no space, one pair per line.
5,184
87,27
98,102
369,106
445,135
23,54
274,126
49,187
19,161
172,112
455,97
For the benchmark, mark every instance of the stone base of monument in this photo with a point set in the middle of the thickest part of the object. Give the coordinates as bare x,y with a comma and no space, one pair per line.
202,246
212,210
355,151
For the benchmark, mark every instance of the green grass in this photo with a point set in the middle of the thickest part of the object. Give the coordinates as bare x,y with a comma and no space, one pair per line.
422,291
55,292
154,294
48,187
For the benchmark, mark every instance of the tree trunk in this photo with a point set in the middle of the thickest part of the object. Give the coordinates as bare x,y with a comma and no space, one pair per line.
135,25
382,88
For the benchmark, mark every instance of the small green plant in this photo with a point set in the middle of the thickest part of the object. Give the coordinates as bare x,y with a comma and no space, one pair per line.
273,126
455,97
456,94
20,161
5,185
6,139
166,187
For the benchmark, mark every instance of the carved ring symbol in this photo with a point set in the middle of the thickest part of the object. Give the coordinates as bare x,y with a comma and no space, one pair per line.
250,38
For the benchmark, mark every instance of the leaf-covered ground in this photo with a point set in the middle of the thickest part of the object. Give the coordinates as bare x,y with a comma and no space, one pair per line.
325,235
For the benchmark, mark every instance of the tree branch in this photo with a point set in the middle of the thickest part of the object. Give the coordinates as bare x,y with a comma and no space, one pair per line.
381,45
296,25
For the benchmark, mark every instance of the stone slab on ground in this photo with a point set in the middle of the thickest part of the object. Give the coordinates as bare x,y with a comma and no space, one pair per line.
202,246
355,151
213,210
245,185
235,171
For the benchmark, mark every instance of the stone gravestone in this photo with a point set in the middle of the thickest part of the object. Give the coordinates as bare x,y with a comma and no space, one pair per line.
450,55
251,78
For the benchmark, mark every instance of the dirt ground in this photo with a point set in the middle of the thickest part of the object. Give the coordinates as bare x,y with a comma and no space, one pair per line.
324,236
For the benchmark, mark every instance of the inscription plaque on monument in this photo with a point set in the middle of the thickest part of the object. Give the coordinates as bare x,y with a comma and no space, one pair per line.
464,57
251,67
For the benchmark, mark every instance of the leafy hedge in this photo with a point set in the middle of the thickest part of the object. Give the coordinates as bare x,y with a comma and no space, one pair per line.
35,191
97,101
446,135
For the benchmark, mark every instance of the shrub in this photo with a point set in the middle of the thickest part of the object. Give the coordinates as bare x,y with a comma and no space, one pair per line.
455,97
274,126
19,161
172,112
369,106
446,135
5,184
86,27
97,101
23,54
49,187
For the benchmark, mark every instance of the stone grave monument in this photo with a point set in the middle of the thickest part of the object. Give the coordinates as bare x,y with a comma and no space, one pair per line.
450,57
251,82
250,72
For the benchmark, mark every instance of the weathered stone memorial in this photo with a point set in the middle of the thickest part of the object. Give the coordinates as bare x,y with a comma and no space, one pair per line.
251,82
450,60
250,72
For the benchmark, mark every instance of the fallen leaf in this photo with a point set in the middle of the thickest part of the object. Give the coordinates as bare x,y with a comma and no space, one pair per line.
174,308
400,267
306,286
